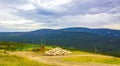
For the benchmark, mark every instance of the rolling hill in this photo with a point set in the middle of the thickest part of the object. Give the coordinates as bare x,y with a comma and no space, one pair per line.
104,41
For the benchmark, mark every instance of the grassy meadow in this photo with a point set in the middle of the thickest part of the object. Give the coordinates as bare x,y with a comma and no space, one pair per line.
94,59
12,60
77,56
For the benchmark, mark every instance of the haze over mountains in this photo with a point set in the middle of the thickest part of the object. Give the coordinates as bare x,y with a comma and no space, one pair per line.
86,39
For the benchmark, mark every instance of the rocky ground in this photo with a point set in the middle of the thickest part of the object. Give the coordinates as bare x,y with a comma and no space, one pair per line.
57,52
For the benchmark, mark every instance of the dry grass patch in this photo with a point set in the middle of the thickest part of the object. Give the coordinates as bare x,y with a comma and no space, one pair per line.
94,59
12,60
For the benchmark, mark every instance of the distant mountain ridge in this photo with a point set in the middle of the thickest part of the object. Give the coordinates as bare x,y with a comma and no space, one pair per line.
86,39
100,31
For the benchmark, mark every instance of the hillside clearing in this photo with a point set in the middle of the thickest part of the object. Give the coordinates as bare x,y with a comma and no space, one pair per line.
32,54
14,60
58,60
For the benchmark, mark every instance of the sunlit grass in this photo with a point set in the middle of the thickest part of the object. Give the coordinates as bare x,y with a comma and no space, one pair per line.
8,60
80,52
12,60
97,59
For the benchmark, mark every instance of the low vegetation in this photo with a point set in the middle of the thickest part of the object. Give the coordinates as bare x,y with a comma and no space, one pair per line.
12,60
16,46
94,59
75,52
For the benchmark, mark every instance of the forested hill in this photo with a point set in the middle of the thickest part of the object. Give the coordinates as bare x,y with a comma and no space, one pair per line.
86,39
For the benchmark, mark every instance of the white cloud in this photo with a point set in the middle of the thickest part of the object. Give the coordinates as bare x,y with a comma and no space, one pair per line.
26,7
13,22
36,14
111,26
54,5
89,20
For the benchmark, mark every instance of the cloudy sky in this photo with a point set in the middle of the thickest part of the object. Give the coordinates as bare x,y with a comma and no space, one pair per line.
27,15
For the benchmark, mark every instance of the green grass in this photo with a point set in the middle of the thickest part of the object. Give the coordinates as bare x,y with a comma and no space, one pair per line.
80,52
7,60
16,46
11,60
107,60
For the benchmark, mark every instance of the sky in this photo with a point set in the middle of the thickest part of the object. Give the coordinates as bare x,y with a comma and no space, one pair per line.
28,15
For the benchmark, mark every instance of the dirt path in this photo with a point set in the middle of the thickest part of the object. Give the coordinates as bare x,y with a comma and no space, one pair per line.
56,60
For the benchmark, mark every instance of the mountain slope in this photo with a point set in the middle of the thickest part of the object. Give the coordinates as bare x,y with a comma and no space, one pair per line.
94,40
101,31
